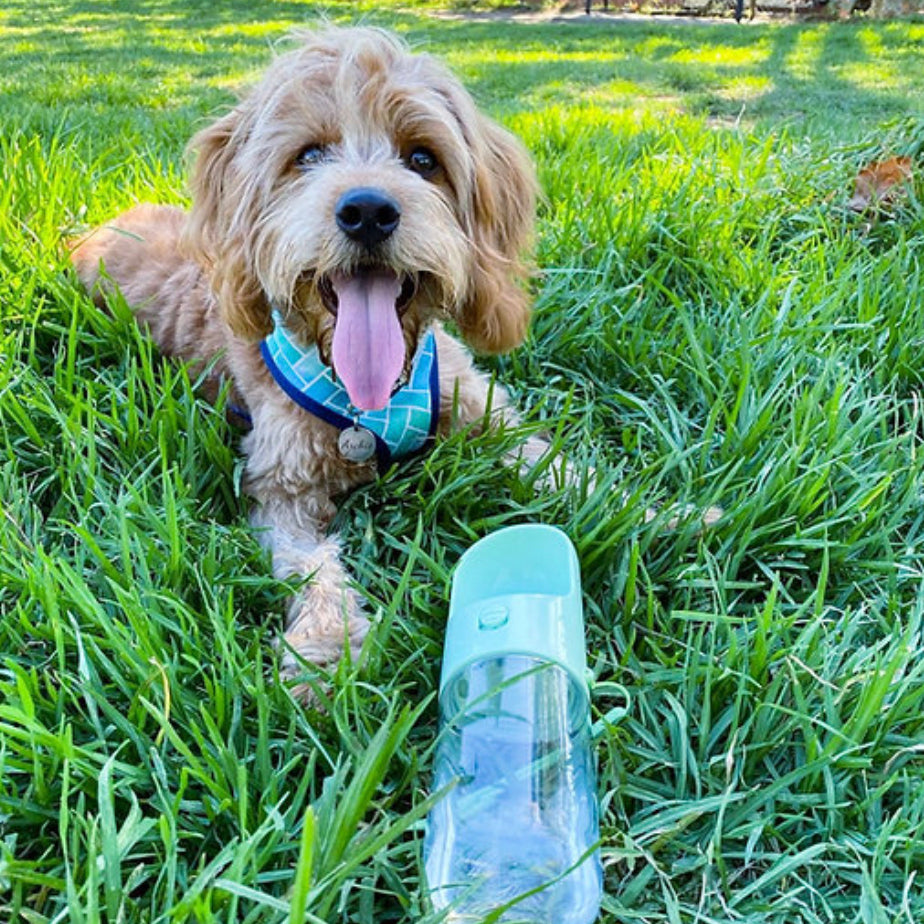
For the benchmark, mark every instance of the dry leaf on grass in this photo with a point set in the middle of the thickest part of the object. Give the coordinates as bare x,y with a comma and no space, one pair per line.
881,184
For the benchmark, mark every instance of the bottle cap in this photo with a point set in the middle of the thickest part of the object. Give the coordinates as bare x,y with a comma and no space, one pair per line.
517,591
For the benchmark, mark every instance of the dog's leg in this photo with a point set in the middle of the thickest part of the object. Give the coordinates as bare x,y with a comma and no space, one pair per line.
471,400
474,399
324,616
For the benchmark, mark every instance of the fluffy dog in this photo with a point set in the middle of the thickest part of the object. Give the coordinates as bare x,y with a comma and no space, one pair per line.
349,203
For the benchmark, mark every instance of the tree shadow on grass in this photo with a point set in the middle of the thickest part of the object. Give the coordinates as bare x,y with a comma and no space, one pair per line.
802,75
165,56
131,68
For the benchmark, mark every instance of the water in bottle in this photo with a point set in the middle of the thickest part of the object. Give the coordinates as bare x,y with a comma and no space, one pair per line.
516,831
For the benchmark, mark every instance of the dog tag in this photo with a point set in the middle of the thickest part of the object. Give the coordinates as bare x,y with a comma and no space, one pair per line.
356,444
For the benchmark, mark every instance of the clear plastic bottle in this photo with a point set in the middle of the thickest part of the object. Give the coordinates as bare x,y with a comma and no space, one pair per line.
518,830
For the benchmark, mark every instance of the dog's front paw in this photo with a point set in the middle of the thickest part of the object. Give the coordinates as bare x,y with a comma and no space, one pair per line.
323,622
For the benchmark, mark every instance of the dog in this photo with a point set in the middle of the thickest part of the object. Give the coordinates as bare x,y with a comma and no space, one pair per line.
352,205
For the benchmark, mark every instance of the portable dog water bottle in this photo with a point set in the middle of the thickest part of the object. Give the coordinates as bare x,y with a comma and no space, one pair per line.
518,831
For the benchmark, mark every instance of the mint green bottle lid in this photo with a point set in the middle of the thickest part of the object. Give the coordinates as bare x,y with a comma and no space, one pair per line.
517,591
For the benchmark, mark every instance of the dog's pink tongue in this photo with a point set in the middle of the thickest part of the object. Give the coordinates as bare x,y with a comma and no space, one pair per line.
368,347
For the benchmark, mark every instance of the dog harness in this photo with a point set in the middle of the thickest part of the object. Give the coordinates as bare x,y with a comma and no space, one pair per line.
401,428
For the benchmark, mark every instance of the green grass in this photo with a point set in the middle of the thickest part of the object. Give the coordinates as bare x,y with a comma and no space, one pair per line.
712,327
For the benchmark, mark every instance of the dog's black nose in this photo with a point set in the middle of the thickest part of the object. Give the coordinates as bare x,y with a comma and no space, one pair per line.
367,216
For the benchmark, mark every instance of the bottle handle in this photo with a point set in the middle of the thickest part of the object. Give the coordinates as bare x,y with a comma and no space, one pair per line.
614,715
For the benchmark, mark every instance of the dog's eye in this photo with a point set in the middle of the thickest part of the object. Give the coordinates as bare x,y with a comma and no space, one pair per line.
423,161
311,156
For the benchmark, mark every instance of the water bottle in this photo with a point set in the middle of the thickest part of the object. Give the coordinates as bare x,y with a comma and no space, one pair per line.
516,831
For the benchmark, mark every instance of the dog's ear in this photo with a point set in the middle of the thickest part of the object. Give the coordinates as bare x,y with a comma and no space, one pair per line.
495,315
214,233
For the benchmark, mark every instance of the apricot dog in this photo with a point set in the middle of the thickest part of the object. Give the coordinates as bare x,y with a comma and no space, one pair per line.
349,203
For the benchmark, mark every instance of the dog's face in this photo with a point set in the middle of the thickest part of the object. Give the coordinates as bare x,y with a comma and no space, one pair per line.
358,190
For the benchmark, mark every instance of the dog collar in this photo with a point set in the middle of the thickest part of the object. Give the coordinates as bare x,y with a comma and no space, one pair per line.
402,427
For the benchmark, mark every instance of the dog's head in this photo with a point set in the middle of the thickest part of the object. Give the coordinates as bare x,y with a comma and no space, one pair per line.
358,190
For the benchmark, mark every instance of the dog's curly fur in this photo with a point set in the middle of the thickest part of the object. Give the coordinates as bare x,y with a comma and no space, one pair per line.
346,109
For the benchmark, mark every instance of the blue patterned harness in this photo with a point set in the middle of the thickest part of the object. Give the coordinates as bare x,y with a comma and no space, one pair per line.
402,427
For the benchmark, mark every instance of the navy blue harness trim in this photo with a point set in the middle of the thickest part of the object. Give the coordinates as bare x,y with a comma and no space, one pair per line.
341,421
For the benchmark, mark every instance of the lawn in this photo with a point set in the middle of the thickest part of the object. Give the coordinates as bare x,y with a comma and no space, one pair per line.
713,326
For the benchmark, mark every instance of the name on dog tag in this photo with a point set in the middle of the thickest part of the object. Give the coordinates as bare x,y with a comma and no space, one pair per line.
356,444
